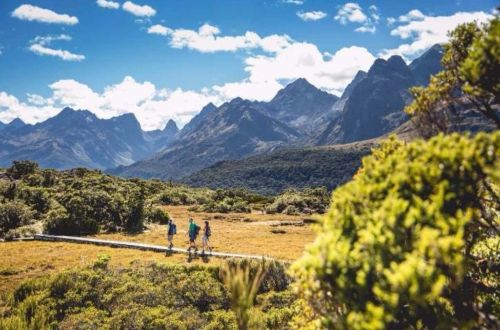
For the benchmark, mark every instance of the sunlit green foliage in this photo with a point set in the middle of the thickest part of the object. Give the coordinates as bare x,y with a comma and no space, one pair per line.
14,214
482,65
406,243
243,288
152,297
300,201
469,79
81,201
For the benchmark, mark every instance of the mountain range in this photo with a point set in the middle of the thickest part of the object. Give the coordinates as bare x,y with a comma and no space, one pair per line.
80,139
299,116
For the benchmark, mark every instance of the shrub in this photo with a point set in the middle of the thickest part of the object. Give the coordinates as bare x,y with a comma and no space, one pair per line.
22,168
158,215
153,296
14,214
396,247
295,201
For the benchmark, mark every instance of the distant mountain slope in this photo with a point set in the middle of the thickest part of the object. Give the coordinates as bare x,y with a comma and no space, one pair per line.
12,126
160,138
197,120
372,105
300,104
77,139
427,64
236,129
375,105
323,124
271,173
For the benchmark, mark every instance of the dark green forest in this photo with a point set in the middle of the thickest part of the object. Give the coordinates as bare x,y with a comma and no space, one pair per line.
272,173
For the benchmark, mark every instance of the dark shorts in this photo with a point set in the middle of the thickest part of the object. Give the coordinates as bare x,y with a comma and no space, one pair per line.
192,238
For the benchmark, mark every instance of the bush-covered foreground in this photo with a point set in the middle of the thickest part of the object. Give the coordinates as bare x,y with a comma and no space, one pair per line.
82,202
412,241
153,297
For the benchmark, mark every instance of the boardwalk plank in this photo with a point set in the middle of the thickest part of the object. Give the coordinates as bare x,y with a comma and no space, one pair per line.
140,246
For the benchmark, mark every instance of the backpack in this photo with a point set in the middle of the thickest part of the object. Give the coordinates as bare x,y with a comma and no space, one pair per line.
174,229
208,232
197,230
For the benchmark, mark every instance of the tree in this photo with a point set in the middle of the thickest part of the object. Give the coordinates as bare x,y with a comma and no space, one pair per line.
480,70
412,240
469,79
21,168
14,214
135,220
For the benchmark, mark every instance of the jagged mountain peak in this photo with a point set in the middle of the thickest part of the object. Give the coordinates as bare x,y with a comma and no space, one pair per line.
16,123
300,104
171,126
428,63
69,114
360,75
395,64
299,86
210,106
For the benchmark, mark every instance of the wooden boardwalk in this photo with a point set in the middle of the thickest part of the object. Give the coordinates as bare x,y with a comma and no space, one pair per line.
141,246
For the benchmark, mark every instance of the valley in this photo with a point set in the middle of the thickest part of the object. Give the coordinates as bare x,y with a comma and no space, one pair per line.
377,208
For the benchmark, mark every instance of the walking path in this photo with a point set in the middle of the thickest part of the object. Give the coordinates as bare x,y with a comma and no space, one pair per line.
141,246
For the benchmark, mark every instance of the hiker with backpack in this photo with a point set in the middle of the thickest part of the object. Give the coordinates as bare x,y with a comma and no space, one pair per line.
207,232
193,231
171,231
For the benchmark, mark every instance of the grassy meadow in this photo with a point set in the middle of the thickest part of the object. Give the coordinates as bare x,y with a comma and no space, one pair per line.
249,233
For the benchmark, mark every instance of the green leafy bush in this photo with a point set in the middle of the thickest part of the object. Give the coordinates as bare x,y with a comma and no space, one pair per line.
396,249
14,214
154,296
158,215
305,201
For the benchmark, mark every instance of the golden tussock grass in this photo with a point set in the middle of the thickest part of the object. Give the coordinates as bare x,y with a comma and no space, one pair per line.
233,232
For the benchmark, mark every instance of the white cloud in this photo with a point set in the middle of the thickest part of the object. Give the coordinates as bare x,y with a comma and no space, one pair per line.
263,90
153,107
412,15
374,14
429,30
366,28
391,21
207,39
40,46
63,54
46,40
37,14
138,10
11,108
108,4
304,60
36,99
293,2
159,29
311,15
350,12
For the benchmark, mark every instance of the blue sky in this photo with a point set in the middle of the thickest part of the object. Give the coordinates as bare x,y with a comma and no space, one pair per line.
165,59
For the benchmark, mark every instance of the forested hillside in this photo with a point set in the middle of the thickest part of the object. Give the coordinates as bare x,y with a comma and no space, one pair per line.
83,202
274,172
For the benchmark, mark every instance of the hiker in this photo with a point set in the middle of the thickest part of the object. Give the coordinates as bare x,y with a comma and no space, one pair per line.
207,232
193,231
171,231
